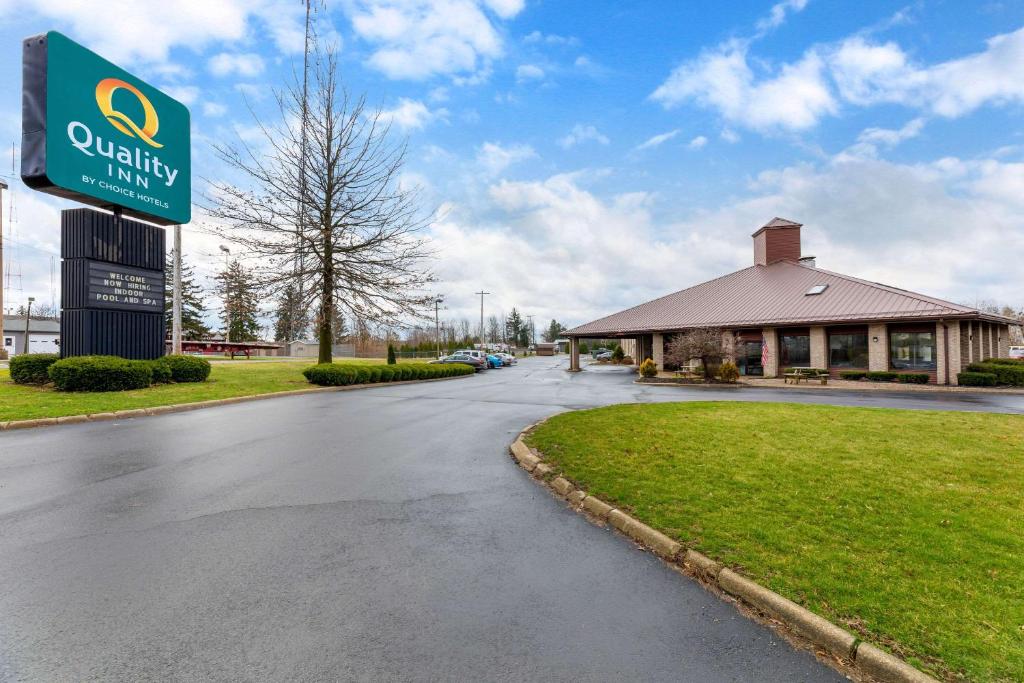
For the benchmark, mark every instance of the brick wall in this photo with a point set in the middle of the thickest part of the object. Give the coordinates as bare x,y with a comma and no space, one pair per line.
771,339
878,351
819,348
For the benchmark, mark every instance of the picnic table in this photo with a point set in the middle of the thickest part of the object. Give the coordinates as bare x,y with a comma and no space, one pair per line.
795,375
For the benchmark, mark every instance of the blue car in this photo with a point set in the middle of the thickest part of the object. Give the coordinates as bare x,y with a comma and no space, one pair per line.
494,361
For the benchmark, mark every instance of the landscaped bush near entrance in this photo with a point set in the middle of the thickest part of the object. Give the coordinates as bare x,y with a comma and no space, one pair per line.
1006,373
853,374
188,368
31,368
913,378
100,373
648,368
728,372
976,379
880,376
161,369
333,374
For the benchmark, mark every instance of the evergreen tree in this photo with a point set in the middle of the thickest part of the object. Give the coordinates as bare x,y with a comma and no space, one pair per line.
517,330
391,354
340,332
193,324
290,319
241,301
554,331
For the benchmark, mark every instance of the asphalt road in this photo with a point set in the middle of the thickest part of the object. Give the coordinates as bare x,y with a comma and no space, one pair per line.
369,535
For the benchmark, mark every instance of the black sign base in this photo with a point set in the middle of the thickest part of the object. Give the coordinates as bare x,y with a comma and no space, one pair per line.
112,286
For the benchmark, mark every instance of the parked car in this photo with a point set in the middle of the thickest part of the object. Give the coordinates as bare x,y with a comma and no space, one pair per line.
475,353
465,359
604,355
493,361
597,352
506,358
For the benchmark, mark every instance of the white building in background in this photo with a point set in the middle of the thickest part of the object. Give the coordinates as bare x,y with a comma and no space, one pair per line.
43,336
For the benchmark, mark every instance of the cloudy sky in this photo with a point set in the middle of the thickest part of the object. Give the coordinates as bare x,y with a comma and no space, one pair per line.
585,156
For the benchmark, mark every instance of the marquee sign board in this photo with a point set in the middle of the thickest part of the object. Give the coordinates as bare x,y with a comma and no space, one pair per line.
111,285
94,133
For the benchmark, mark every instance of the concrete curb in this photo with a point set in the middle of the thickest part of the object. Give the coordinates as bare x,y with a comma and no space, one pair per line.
867,658
196,405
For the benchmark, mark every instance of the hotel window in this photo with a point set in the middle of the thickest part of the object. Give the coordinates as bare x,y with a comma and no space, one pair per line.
8,341
912,350
848,350
795,349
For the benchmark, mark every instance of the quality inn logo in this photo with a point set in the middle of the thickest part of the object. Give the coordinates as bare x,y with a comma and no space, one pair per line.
105,90
131,167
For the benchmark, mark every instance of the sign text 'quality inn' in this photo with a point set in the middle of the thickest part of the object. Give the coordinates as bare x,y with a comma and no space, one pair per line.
94,133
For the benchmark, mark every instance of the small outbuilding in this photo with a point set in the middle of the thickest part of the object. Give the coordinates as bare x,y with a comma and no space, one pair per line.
43,335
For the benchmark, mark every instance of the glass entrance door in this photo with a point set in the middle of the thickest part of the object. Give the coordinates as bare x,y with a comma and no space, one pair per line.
748,359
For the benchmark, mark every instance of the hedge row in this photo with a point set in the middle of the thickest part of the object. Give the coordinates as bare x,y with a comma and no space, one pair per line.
976,379
106,373
1011,374
342,374
880,376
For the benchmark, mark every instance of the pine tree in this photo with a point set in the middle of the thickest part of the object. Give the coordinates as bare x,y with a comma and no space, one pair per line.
391,354
517,329
193,312
290,319
236,289
554,331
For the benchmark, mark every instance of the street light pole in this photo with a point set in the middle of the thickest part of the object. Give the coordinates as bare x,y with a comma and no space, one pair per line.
227,299
481,293
176,303
28,317
3,186
533,332
437,323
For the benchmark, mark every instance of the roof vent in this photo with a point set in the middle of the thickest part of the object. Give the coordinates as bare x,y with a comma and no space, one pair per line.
808,261
816,289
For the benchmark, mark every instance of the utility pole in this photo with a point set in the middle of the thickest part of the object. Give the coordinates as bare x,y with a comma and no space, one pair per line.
227,298
533,332
176,303
437,323
3,186
28,317
481,293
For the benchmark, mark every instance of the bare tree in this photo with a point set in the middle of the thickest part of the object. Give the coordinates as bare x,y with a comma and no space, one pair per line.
704,343
334,222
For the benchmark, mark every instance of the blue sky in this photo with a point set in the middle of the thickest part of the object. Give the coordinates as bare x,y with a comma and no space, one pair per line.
586,156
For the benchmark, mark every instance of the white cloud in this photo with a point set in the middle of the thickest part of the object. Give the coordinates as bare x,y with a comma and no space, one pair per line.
777,14
416,39
494,158
214,109
412,114
796,95
529,72
729,135
698,142
870,139
869,73
550,39
580,134
793,97
243,64
127,32
186,94
656,140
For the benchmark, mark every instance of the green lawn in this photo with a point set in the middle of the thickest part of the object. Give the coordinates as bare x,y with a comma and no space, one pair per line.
19,402
906,526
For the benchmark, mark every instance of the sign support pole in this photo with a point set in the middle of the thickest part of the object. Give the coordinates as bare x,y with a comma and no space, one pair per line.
176,305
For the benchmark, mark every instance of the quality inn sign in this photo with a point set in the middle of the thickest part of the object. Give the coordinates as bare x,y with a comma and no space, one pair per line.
94,133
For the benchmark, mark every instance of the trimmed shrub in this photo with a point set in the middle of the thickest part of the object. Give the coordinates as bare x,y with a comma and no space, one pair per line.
853,374
1007,361
976,379
648,368
101,373
728,372
1011,375
391,355
584,348
329,375
188,368
387,373
406,372
376,373
31,368
913,378
618,355
880,376
161,370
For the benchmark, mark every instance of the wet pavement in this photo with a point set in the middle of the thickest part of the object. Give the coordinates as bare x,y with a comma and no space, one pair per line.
366,535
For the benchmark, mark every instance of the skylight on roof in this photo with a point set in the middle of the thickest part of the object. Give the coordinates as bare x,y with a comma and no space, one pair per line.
816,289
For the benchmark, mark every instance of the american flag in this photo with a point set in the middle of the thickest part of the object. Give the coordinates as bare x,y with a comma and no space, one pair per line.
764,353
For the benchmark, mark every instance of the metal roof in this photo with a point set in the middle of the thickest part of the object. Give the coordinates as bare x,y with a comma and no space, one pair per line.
775,295
16,324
